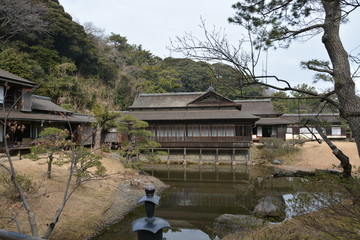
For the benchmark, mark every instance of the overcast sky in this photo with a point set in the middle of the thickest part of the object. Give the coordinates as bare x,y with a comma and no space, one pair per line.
153,23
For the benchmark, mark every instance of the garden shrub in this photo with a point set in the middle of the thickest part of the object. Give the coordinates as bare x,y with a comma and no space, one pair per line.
275,147
25,182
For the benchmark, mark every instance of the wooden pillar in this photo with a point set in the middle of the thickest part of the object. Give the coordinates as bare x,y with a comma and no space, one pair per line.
200,156
168,158
248,156
233,157
185,174
217,156
184,156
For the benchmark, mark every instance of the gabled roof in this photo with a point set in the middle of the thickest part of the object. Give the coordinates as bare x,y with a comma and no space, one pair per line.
164,100
258,107
181,100
192,115
41,103
210,97
9,77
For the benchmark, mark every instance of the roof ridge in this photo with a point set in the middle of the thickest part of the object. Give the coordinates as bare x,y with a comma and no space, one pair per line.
310,114
253,100
169,94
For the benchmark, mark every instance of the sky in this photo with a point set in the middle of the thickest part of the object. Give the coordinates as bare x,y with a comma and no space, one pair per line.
153,24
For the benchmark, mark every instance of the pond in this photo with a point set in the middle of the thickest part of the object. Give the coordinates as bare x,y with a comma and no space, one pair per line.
198,194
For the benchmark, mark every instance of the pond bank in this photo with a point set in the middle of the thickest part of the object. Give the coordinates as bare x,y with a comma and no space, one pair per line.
106,201
92,207
312,156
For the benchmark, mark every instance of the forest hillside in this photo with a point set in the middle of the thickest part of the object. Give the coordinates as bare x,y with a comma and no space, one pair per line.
79,66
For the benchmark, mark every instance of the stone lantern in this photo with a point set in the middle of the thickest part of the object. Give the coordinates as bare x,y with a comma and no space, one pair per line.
149,227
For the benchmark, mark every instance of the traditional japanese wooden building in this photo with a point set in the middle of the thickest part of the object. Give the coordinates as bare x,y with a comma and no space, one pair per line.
196,122
270,123
334,126
25,115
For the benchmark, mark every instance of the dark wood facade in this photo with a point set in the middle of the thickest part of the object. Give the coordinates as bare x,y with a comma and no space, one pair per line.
194,134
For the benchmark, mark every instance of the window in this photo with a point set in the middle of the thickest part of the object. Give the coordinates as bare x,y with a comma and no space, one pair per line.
213,131
1,94
162,132
274,131
304,130
289,130
204,131
230,131
336,131
221,131
196,131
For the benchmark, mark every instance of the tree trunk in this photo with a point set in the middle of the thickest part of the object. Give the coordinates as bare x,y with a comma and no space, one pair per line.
51,158
344,160
344,85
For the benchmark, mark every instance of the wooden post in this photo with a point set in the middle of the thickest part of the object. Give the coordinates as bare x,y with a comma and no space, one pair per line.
249,157
168,158
233,157
200,157
184,157
217,156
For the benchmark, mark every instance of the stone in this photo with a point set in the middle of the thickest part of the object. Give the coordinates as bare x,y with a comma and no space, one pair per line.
277,161
230,223
271,208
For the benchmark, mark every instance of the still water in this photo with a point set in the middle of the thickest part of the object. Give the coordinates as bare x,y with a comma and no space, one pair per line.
200,193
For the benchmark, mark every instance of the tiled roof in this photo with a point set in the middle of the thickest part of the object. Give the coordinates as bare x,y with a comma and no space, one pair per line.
328,117
258,107
33,116
44,104
9,77
163,100
192,115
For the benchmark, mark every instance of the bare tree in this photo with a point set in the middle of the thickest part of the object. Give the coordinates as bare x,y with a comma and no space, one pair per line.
21,17
281,22
79,159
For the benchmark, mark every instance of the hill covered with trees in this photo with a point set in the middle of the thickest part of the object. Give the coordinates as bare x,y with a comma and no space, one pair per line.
79,66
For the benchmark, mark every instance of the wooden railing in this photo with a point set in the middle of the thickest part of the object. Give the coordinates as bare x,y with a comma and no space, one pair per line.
203,139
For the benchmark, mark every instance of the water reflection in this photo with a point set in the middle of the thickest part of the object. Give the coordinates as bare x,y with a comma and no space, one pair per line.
201,193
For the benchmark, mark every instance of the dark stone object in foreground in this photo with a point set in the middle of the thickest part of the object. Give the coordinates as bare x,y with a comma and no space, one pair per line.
229,223
150,227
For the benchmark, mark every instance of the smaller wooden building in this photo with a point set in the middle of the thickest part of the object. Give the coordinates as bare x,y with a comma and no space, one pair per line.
25,115
333,126
196,121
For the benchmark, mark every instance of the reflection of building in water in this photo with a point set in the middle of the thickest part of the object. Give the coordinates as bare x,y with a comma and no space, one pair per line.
199,194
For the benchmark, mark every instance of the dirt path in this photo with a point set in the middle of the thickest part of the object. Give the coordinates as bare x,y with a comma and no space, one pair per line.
319,156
